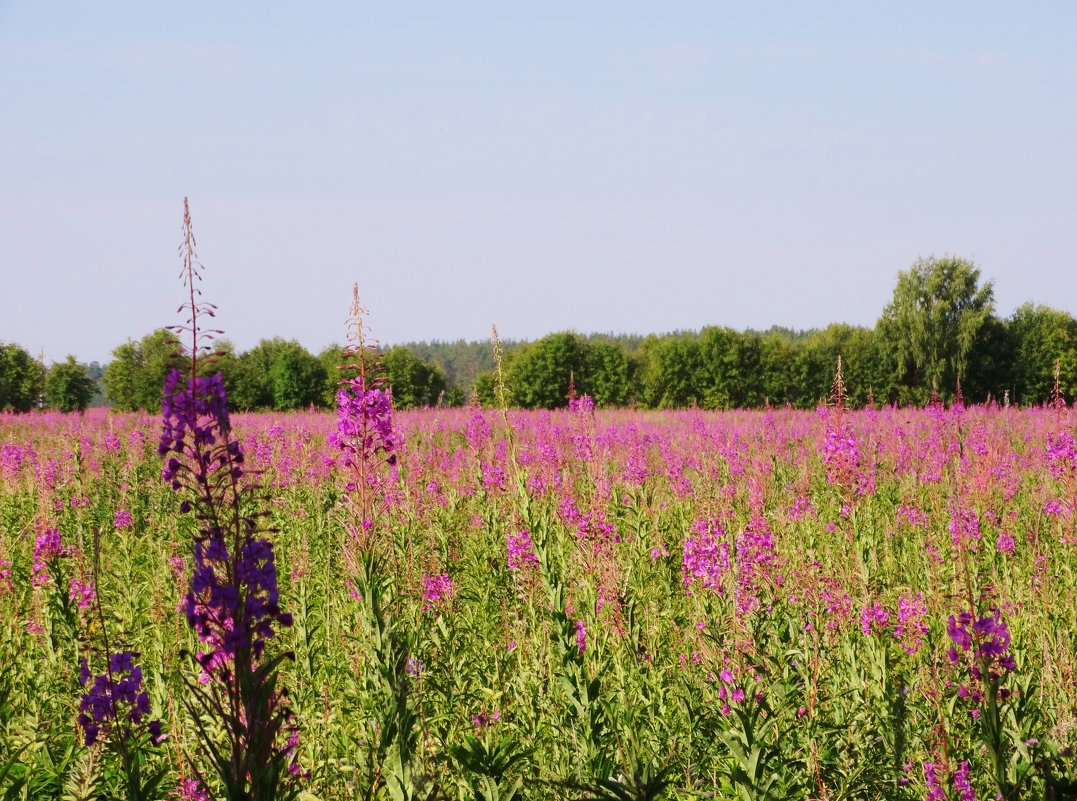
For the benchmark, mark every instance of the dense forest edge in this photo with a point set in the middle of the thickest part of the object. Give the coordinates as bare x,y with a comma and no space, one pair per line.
938,336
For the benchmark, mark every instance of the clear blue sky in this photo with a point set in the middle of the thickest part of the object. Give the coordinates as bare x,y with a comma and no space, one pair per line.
599,166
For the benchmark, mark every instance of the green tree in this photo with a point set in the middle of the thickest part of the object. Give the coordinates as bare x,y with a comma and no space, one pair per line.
332,359
485,389
777,355
862,365
731,376
538,373
68,386
297,378
1041,336
991,365
277,374
935,321
671,371
97,375
135,377
608,374
415,382
22,379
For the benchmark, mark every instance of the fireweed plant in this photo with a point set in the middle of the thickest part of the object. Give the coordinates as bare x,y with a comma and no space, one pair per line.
115,708
369,449
246,729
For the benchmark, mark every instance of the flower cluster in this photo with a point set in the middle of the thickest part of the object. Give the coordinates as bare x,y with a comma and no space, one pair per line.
484,719
706,556
6,584
437,591
1061,455
592,528
82,594
755,555
912,625
987,640
963,783
911,516
990,636
365,423
477,431
115,700
935,792
841,456
195,413
230,614
802,508
875,616
520,551
964,529
47,548
584,404
233,602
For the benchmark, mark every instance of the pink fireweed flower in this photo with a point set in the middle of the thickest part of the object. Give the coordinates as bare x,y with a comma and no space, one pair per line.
1054,507
841,456
493,478
520,551
365,424
1061,455
911,516
802,508
82,595
1005,542
484,719
875,616
912,625
195,415
581,636
190,790
988,632
964,529
231,616
123,519
706,556
6,584
477,431
934,788
583,404
438,590
963,784
592,528
47,548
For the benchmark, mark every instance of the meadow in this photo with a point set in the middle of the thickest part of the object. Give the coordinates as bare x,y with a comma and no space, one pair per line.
611,604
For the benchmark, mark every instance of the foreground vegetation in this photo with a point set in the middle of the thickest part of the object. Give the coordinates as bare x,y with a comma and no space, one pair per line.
771,604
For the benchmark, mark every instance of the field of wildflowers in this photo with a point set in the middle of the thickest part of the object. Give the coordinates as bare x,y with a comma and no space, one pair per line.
466,603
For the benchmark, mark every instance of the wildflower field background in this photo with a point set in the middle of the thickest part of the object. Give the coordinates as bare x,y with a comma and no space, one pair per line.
775,604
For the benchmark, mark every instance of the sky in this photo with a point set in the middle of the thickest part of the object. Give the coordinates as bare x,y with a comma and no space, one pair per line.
600,167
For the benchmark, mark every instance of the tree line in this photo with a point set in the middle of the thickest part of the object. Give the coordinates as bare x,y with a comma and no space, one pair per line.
939,331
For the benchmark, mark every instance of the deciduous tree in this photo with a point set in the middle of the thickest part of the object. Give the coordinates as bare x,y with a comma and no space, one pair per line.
68,386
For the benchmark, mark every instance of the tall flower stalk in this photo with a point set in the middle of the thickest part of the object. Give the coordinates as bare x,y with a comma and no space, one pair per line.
232,602
369,446
365,434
